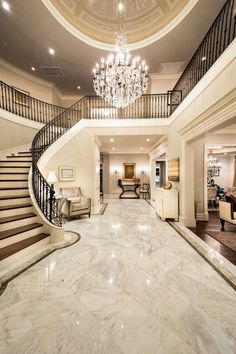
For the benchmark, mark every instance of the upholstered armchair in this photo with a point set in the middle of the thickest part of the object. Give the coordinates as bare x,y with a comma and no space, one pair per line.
231,191
226,214
76,203
212,195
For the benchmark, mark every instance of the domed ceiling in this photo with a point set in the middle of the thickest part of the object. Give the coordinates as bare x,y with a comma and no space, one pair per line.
97,19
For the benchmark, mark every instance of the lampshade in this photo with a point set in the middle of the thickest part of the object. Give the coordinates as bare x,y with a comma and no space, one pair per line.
52,178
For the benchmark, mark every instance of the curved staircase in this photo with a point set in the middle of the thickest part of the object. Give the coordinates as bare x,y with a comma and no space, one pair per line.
20,229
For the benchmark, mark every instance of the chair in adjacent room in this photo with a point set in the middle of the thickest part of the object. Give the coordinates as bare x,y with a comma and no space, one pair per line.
226,214
212,196
144,191
76,203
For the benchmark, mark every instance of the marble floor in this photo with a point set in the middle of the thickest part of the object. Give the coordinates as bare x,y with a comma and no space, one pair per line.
130,285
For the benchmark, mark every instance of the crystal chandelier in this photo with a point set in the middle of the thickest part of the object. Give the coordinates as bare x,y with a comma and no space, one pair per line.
120,80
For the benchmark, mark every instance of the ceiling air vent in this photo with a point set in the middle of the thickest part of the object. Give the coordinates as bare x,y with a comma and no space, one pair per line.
52,70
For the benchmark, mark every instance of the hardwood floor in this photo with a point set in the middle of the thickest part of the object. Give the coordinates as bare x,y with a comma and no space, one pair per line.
202,229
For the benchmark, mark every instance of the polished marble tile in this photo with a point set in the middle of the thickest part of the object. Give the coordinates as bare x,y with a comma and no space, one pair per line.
130,285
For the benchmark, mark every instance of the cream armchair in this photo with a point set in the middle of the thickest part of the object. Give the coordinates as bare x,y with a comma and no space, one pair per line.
226,214
76,203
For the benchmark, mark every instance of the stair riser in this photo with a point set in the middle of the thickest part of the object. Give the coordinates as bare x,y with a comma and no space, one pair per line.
31,250
18,170
19,158
13,192
12,212
12,163
18,223
24,235
10,176
15,201
13,184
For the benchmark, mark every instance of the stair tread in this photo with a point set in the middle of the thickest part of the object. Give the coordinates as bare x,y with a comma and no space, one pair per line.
14,173
14,166
17,206
12,188
17,156
5,197
10,161
24,152
13,180
19,246
18,230
16,217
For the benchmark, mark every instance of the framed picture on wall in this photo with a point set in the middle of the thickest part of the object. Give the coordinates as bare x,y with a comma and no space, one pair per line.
173,170
21,97
129,169
66,173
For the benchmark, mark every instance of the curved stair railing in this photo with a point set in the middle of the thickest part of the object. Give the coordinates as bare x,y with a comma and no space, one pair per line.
19,102
43,192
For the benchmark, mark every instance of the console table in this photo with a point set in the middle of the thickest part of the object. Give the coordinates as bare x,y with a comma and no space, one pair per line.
129,190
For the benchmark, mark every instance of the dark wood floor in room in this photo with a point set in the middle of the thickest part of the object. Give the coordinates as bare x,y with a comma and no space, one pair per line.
202,228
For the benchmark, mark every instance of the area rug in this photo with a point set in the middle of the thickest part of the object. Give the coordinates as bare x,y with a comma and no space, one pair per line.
228,239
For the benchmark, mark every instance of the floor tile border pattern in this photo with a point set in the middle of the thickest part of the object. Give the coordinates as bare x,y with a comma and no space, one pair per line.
31,262
219,263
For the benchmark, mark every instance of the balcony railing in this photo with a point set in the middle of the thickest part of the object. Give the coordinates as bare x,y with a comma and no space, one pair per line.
20,103
217,39
93,107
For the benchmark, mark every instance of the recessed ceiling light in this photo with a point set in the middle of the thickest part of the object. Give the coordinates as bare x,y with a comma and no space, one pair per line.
32,68
141,148
203,58
51,51
113,148
6,6
225,153
78,87
112,140
147,139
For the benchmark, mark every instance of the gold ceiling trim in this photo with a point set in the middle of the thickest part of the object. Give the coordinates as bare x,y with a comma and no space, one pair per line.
95,21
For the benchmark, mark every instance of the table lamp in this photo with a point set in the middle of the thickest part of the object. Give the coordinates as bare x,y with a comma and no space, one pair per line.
52,178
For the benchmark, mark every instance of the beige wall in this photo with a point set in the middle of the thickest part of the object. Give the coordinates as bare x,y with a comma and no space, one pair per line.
114,162
162,84
80,153
225,179
13,134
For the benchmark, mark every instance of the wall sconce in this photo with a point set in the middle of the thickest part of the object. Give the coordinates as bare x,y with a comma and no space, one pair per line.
142,171
116,172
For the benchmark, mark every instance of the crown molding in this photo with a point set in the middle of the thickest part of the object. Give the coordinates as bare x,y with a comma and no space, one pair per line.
24,73
156,76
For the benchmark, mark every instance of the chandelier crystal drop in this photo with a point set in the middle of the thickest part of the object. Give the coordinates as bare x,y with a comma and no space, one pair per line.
119,79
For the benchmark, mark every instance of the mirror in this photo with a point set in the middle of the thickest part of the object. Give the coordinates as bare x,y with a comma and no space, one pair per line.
129,170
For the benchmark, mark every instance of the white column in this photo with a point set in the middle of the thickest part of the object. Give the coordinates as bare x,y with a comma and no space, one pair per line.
187,212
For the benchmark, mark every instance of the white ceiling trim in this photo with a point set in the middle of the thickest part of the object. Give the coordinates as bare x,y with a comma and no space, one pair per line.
26,75
155,76
110,47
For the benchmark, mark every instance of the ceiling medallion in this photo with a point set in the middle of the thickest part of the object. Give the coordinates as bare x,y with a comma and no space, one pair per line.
120,80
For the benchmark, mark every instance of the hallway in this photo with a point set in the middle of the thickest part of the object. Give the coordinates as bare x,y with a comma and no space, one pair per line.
130,285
